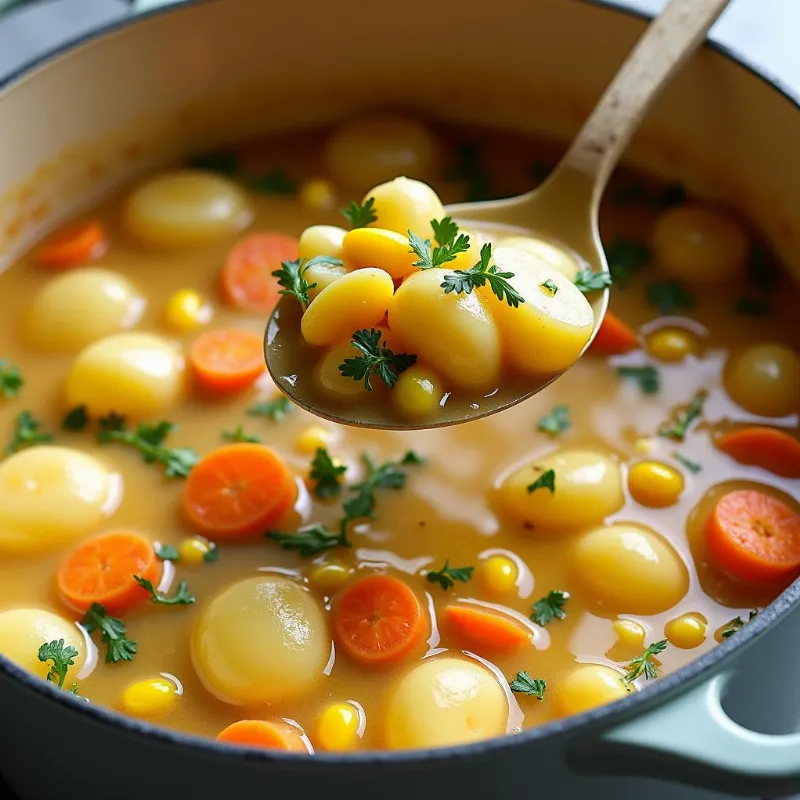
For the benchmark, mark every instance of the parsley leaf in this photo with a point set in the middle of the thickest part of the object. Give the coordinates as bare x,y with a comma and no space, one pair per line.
112,634
588,281
678,429
238,435
692,466
669,296
26,433
292,280
644,665
274,410
224,162
166,552
62,658
273,182
753,306
11,380
447,575
557,421
468,168
375,359
182,597
410,457
441,254
445,231
326,474
550,287
465,280
360,216
388,475
547,480
312,540
625,258
550,607
648,378
524,684
736,624
75,419
212,554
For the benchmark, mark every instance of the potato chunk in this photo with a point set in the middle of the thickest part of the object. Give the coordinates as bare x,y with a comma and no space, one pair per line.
587,687
404,204
262,640
765,379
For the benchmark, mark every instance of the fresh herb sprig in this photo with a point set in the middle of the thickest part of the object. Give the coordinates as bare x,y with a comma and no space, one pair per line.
644,665
693,466
182,596
292,276
314,539
274,410
112,634
588,281
449,244
76,419
648,378
375,359
484,272
524,684
11,380
447,575
62,657
550,607
238,434
625,258
547,480
557,421
276,181
167,552
669,296
358,215
736,624
27,433
678,429
326,475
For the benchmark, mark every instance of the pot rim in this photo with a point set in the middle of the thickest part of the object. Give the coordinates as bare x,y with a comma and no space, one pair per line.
607,714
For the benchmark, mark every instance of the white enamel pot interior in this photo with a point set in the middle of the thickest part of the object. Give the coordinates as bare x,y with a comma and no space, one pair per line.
201,75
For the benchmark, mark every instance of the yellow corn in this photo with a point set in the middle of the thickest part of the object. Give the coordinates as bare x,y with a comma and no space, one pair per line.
499,574
687,631
312,438
654,484
186,311
329,577
149,699
318,194
630,634
338,727
672,344
417,393
194,551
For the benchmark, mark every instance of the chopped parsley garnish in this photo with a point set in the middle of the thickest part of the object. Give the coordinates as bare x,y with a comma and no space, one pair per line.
465,280
736,624
447,575
445,231
360,216
557,421
182,597
224,162
326,474
292,280
274,410
588,281
11,380
550,287
75,419
149,441
753,306
26,433
447,246
112,634
648,378
389,475
625,258
166,552
677,430
524,684
375,359
550,607
644,664
273,182
547,480
413,458
468,168
238,435
211,555
669,296
692,466
62,657
312,540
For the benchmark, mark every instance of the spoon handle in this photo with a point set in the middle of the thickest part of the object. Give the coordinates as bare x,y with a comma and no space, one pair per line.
667,43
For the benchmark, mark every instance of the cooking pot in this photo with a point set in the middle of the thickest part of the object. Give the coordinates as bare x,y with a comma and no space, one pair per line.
193,76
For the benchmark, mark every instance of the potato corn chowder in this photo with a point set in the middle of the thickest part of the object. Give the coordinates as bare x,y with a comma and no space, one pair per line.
181,544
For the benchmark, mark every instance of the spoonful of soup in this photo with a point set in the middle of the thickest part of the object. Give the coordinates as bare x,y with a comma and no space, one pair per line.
421,316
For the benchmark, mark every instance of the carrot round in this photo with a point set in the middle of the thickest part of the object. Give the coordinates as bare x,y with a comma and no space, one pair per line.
101,570
770,448
75,244
754,537
259,733
228,360
485,630
247,280
378,620
614,337
238,490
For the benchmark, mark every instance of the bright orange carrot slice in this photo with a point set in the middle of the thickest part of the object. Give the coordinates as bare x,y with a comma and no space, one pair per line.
770,448
259,733
226,361
614,337
75,244
484,630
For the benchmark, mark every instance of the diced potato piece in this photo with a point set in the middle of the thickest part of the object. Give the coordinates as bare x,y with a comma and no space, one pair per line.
185,208
630,634
321,240
588,487
24,630
630,569
149,699
356,300
187,310
262,640
654,484
323,274
549,330
672,344
687,631
330,378
378,247
765,379
445,701
81,306
454,333
51,496
556,257
588,687
133,374
417,393
403,204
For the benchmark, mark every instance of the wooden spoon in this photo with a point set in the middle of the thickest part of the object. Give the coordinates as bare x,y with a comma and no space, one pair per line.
563,209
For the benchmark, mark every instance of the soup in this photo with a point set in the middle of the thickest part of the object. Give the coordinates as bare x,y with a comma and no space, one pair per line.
181,544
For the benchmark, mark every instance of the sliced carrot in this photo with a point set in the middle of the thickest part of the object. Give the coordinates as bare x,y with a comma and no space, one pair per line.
228,360
101,570
259,733
238,490
75,244
754,537
614,337
378,620
770,448
484,629
247,280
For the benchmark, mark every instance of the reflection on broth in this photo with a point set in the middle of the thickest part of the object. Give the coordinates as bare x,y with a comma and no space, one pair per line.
305,586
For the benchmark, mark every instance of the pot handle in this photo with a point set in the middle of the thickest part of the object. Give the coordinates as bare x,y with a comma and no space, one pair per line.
139,6
693,740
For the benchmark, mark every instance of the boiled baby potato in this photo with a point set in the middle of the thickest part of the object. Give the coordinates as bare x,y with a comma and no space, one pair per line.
357,300
50,496
445,701
133,374
549,330
453,333
588,487
330,379
323,274
765,379
630,569
24,630
185,208
555,257
587,687
403,204
262,640
321,240
81,306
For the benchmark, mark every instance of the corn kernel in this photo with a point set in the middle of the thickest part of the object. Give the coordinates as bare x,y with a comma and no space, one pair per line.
186,311
329,577
417,393
149,699
630,634
499,574
339,727
643,445
654,484
672,344
318,194
194,551
314,437
687,631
